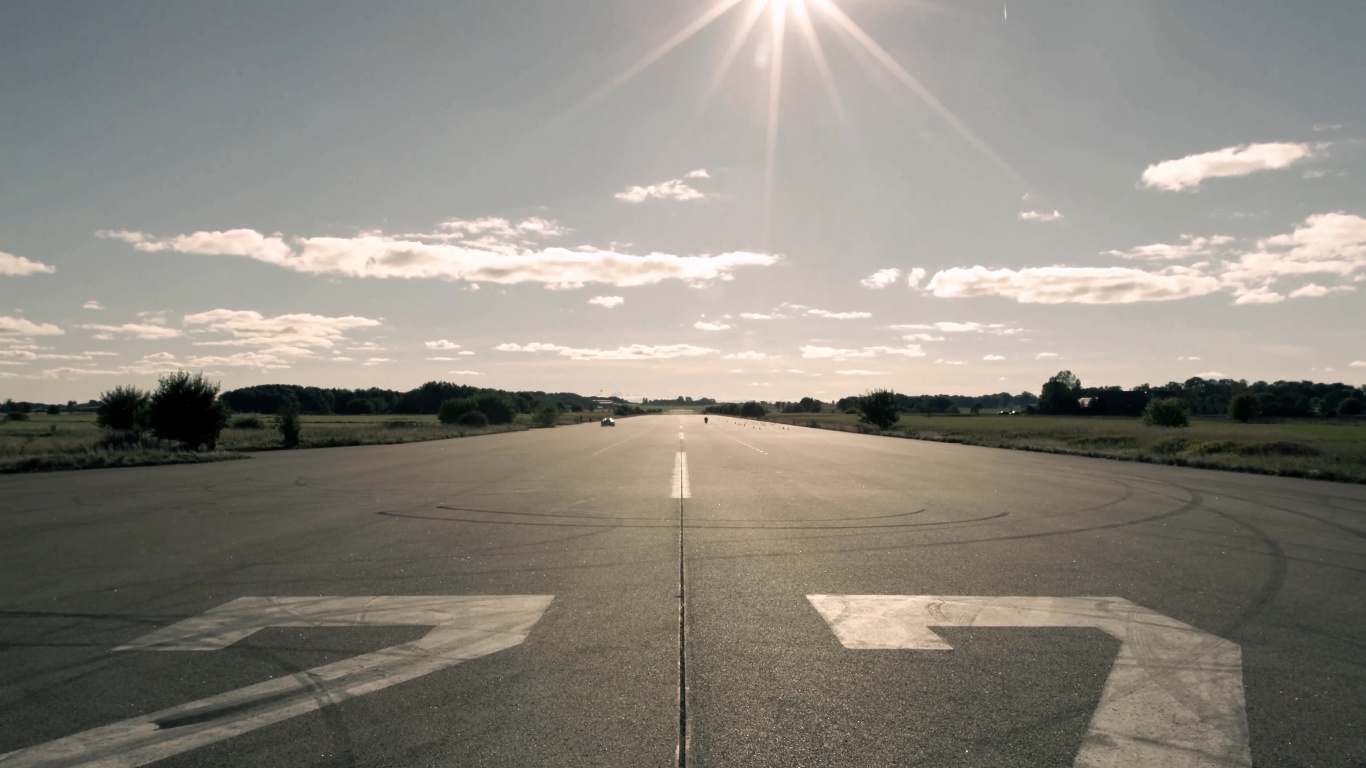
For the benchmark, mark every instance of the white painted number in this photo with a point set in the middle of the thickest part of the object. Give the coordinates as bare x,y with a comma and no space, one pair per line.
463,628
1173,698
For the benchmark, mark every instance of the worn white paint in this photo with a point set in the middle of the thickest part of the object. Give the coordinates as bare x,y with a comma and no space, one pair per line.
679,486
1174,696
463,628
747,445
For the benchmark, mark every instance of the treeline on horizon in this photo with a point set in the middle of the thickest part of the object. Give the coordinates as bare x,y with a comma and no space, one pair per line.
426,399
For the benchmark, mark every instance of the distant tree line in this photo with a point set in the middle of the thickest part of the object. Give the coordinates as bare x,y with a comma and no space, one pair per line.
426,399
681,400
1064,394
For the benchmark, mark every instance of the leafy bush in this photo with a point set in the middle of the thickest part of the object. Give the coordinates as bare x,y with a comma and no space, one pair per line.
546,415
1242,407
360,407
185,409
878,407
248,422
451,410
1170,412
54,410
1350,407
124,409
18,416
753,410
287,422
497,406
472,419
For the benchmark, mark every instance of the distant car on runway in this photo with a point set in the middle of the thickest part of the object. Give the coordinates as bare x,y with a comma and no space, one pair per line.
608,422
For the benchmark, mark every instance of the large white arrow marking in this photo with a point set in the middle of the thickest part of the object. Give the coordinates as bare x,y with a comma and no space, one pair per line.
463,628
1173,698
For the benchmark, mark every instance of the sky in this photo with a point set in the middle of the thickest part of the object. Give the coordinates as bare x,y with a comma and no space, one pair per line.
765,199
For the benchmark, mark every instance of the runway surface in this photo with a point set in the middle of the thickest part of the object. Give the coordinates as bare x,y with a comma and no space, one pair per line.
822,599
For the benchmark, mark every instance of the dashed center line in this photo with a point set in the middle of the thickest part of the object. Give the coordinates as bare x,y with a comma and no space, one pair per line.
747,445
680,487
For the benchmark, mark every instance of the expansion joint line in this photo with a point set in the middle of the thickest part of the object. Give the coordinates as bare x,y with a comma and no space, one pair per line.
682,621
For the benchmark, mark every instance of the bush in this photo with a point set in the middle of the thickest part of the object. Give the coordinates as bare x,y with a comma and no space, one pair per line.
497,406
248,422
1350,407
54,410
753,410
1170,412
287,421
878,407
18,416
124,409
185,409
1242,407
360,407
451,410
546,415
472,419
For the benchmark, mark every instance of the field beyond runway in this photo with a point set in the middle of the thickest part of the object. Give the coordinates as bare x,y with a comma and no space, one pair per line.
515,600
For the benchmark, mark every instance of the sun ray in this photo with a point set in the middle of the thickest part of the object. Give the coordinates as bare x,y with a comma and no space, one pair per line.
756,9
818,54
701,22
832,11
775,92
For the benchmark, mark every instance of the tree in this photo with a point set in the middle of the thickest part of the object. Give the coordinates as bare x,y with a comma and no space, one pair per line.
185,409
497,406
546,415
1168,412
287,421
472,419
451,410
1060,394
1242,407
1350,407
878,407
976,408
753,410
70,406
54,410
124,409
576,408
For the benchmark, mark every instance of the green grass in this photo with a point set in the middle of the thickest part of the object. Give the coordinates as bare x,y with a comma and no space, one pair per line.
1314,448
72,440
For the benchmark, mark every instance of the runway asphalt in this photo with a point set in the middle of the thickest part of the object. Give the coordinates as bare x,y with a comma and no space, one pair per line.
846,600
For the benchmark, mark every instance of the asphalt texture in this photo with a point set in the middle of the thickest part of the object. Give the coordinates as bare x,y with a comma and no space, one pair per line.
92,560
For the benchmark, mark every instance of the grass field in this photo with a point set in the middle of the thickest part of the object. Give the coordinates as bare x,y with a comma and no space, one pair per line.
1323,449
72,441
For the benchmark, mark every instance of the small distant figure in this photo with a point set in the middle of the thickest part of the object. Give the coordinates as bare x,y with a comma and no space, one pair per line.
705,419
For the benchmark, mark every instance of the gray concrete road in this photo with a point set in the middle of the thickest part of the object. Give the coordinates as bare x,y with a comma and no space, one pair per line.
848,600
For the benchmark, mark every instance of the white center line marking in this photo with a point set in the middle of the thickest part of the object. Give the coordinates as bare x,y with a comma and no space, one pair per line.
747,445
680,487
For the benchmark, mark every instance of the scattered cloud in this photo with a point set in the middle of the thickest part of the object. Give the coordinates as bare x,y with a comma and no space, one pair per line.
1046,356
838,315
1357,364
998,329
861,372
812,352
484,250
922,337
1314,290
1041,216
1188,358
1211,375
914,277
632,352
296,331
132,331
757,316
465,373
443,359
18,326
92,304
703,325
673,189
1325,244
881,278
1259,296
1320,127
441,344
607,302
993,358
18,266
941,361
1075,285
465,352
745,356
1192,247
1188,172
377,361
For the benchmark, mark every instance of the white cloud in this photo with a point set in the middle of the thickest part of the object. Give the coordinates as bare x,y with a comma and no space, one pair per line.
1314,290
340,359
484,251
294,331
916,275
1211,375
632,352
1193,247
861,372
795,370
92,304
441,344
949,362
1318,127
465,373
132,331
998,329
377,361
756,316
1046,356
1076,285
745,356
881,278
1326,243
993,358
265,360
443,359
18,326
673,189
838,315
737,370
1357,364
922,337
607,302
812,352
17,266
465,352
1261,295
703,325
1041,216
1187,358
1189,171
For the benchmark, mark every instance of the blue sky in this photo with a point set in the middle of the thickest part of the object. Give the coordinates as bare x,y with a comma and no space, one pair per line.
938,197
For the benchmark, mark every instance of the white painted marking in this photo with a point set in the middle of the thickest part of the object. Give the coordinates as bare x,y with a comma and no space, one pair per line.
747,445
680,487
1174,696
619,442
463,628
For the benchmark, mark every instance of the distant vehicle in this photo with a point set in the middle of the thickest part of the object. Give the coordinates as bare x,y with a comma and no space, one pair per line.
608,422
